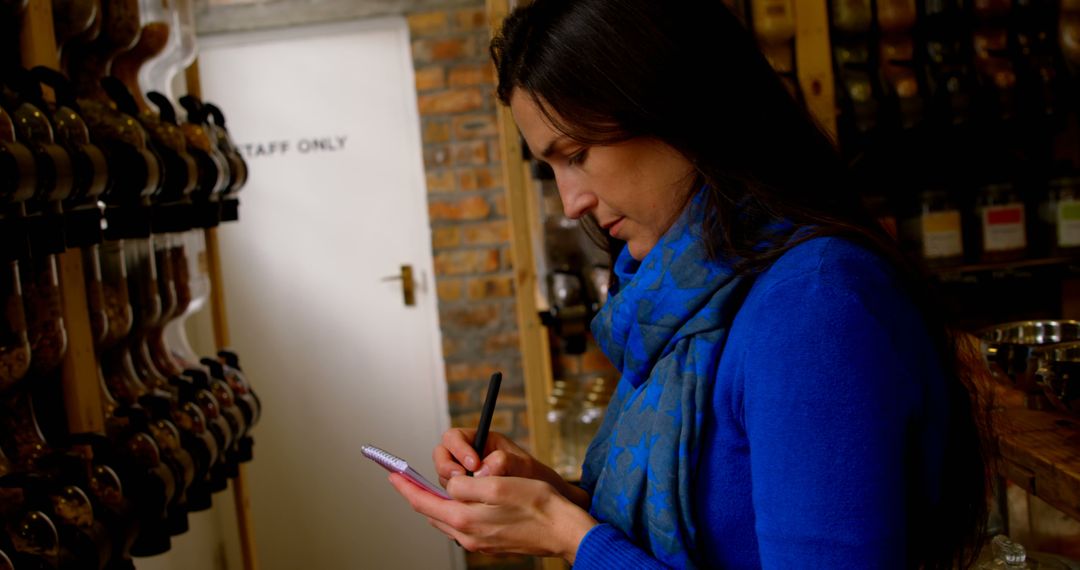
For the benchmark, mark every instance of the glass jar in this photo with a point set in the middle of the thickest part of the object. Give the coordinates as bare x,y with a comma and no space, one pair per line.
562,424
34,536
936,229
44,313
990,9
175,294
95,293
851,16
118,314
1069,37
773,20
120,377
1009,555
1062,215
774,26
896,16
996,68
194,285
1002,224
147,309
14,337
593,408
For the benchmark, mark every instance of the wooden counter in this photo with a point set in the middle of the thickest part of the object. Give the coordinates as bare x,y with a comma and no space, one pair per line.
1040,452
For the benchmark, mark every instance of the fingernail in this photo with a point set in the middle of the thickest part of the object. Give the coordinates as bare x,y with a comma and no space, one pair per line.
456,473
483,472
470,463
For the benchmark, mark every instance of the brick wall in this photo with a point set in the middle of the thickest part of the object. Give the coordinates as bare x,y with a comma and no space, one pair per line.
470,232
455,83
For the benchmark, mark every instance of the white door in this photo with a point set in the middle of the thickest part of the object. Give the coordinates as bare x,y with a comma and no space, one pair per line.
328,121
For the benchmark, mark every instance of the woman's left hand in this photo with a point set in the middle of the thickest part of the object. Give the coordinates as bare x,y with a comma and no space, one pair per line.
502,515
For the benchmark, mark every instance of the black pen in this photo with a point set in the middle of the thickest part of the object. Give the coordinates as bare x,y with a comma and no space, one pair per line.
485,416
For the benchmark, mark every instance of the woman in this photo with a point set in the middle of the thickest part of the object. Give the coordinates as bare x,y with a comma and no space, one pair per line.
788,398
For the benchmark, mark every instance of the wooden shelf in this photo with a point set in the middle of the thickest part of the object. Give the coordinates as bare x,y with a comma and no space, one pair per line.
1040,452
1063,266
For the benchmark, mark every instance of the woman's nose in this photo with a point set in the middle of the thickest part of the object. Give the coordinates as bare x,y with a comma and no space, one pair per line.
576,201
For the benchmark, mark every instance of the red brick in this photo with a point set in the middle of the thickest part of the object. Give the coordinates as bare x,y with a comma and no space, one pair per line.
445,237
522,419
512,398
444,49
471,208
463,371
499,202
475,126
469,316
502,421
472,74
490,288
436,131
449,289
502,341
496,151
482,178
440,181
465,262
487,233
471,19
506,259
436,156
450,346
430,78
460,399
470,153
452,101
428,23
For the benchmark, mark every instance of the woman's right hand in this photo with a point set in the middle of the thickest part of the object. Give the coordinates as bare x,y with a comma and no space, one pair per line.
502,457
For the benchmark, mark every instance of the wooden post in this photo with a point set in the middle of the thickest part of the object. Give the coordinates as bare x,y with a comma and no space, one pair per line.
82,398
535,350
241,493
521,209
813,62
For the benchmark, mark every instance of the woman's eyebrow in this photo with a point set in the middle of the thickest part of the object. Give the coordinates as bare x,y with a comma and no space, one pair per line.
550,148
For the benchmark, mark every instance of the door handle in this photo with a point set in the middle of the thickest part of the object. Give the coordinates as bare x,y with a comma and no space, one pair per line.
408,285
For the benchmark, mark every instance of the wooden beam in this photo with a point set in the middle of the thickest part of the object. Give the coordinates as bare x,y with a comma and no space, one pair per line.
524,218
79,373
813,62
241,490
535,350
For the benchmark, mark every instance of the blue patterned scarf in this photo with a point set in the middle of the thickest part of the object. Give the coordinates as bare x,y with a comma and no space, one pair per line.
664,330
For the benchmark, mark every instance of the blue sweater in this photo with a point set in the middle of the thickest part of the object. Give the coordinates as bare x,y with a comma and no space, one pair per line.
825,388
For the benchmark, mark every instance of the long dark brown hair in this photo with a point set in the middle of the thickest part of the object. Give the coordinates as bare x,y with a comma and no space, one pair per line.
689,73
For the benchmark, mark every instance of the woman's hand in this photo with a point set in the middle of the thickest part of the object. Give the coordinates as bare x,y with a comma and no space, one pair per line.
502,515
502,457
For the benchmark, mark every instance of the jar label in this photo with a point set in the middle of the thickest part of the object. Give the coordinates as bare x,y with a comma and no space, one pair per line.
1068,223
941,234
1003,228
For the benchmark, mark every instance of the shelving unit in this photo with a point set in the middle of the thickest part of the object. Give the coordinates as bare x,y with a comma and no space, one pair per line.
81,394
80,377
1037,450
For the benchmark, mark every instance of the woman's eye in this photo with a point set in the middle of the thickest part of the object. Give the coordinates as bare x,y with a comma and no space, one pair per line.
577,158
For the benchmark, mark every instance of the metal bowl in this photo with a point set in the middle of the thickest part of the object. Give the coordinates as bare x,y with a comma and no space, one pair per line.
1058,374
1009,349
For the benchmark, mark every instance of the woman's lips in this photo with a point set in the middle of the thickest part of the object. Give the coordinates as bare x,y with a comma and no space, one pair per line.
613,226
